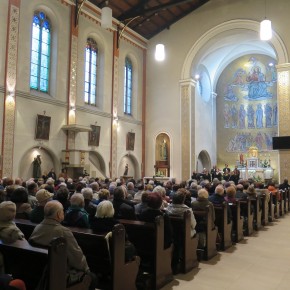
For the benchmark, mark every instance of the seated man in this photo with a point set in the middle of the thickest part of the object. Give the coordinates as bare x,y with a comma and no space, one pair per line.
50,228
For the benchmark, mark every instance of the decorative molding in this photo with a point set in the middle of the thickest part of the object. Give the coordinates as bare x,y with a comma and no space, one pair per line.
115,114
284,102
73,75
185,131
10,82
46,100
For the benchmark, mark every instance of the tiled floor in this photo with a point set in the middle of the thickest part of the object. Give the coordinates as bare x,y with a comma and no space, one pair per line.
259,262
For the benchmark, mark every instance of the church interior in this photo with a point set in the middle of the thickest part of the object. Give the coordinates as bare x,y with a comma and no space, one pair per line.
85,92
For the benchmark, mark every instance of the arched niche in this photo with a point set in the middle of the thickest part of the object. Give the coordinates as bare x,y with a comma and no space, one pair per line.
162,155
97,165
134,170
48,161
203,161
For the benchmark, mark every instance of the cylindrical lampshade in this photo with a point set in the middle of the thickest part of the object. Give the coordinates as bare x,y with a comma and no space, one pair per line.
106,20
265,30
160,52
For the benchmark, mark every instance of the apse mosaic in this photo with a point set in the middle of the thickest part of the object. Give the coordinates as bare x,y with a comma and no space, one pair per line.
247,104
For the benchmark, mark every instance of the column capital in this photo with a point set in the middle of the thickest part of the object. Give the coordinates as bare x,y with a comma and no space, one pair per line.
283,67
187,82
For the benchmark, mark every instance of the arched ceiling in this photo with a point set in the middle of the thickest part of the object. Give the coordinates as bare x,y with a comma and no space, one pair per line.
227,46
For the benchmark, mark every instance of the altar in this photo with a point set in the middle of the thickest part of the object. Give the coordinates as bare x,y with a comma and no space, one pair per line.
160,179
254,167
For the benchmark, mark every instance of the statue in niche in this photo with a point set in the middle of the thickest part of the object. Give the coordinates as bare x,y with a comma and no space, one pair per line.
37,167
126,170
163,150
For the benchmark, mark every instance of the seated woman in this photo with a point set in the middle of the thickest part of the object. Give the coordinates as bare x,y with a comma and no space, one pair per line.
76,215
177,207
153,210
230,194
20,197
104,222
62,195
200,204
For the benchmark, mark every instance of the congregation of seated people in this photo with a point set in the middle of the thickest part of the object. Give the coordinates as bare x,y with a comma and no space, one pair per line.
100,204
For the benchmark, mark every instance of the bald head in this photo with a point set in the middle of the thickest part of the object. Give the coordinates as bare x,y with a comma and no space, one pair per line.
52,209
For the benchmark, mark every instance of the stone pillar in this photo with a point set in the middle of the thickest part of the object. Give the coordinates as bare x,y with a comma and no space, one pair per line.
283,96
10,88
187,121
72,91
115,121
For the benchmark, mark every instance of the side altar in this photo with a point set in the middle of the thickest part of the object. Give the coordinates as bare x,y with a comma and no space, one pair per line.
254,167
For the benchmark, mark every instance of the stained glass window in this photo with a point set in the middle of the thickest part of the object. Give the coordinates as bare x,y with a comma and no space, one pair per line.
40,52
128,87
91,72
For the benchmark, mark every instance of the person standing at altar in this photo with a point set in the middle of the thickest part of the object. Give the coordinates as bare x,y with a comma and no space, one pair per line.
236,175
214,172
226,172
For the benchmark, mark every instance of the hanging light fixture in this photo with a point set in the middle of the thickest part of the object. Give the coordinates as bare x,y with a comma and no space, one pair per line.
159,52
106,18
265,28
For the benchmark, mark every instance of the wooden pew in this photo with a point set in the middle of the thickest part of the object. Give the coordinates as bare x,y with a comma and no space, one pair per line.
248,215
94,246
276,206
238,221
224,228
271,209
205,224
282,202
255,201
148,239
286,201
185,246
265,205
28,263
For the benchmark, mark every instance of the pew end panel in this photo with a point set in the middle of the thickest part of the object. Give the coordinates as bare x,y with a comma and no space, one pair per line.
148,239
205,224
185,246
224,228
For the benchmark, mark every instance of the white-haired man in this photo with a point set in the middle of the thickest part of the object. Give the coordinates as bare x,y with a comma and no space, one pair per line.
50,228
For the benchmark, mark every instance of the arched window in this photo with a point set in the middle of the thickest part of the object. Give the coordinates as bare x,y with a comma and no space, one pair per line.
128,78
91,72
40,52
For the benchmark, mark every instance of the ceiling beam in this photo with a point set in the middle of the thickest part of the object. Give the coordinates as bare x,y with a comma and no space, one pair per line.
142,10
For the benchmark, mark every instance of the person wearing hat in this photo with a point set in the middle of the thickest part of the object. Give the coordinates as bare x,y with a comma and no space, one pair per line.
37,214
9,232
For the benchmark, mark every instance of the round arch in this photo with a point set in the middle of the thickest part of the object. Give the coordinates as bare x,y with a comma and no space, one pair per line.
134,169
98,163
238,26
48,160
203,161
